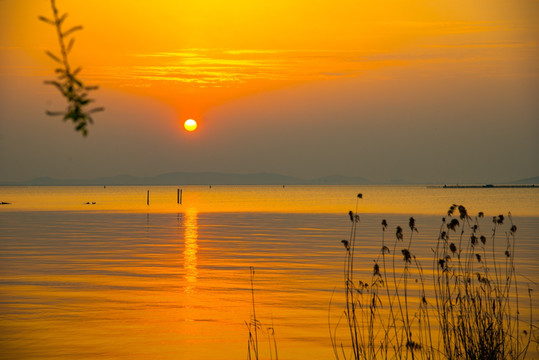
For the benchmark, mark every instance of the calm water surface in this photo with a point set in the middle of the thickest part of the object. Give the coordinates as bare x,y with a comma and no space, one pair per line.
408,200
124,280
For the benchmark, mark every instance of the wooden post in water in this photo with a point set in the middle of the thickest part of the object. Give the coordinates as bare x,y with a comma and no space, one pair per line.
178,197
181,195
148,198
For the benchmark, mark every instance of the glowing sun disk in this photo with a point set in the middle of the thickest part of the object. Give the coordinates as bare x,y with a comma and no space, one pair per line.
190,125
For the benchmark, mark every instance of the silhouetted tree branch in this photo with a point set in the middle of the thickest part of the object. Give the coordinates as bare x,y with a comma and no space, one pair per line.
71,87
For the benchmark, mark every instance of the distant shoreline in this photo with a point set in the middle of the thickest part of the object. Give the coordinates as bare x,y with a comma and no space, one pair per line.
485,186
260,178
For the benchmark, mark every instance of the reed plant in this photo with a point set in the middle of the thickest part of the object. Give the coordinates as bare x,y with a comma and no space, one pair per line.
254,326
477,292
470,310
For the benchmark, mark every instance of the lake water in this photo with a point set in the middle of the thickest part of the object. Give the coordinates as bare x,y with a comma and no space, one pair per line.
121,279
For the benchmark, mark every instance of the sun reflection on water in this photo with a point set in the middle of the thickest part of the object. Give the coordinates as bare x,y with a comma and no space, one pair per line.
190,258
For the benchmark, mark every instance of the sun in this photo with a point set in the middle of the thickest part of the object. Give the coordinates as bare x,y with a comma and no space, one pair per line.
190,125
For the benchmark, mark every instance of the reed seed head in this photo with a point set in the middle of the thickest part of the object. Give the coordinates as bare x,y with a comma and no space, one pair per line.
441,262
376,270
453,248
463,212
453,224
483,239
398,233
384,224
412,345
407,255
411,223
483,279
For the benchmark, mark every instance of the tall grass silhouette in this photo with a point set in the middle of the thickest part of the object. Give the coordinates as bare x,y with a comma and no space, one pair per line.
476,290
67,81
254,326
469,308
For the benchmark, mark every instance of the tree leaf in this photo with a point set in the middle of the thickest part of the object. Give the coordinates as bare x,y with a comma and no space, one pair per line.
76,81
70,45
72,30
52,82
54,113
94,110
57,85
69,115
54,57
44,19
62,18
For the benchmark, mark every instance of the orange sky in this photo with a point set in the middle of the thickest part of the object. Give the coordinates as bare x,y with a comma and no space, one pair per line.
196,56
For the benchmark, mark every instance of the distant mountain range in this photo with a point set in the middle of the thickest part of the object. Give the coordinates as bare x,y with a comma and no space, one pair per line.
202,178
532,180
215,178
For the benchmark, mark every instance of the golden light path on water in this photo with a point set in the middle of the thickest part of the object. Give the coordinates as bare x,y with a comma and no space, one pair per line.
190,249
